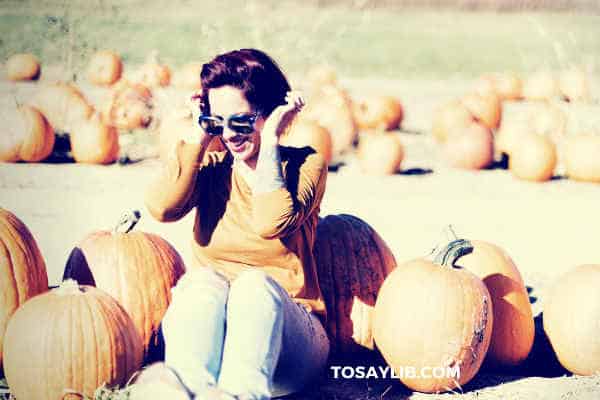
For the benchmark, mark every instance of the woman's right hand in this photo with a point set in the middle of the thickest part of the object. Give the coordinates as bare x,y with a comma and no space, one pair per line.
197,135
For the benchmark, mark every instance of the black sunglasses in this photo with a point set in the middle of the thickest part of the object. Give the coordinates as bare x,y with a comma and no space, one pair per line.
242,123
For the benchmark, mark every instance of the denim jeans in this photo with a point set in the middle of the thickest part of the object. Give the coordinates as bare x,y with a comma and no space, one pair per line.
247,337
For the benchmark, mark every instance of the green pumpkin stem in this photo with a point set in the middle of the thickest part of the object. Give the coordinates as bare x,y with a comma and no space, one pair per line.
127,222
447,255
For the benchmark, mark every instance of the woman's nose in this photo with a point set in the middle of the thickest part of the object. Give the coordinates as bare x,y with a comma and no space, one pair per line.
228,133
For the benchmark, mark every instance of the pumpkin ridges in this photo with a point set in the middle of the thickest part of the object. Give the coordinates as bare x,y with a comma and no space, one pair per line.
325,253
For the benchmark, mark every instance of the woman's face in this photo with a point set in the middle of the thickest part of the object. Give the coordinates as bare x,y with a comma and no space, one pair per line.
226,101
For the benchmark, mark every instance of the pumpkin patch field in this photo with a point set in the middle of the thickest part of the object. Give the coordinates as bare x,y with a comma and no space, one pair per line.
459,227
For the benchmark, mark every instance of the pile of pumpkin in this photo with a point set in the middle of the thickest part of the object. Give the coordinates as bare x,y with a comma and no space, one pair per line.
100,325
61,108
473,134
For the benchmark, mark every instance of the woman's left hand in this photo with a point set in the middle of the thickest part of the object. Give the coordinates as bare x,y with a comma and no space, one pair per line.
281,117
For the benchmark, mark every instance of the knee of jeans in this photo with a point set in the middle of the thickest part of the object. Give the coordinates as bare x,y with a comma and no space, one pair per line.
252,286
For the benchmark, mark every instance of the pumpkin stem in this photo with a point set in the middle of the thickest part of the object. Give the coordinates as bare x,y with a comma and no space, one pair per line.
447,255
127,222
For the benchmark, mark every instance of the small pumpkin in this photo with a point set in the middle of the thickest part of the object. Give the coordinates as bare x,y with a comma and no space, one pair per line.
23,67
94,142
575,85
571,319
448,117
331,107
305,132
138,269
22,268
514,330
105,68
380,153
73,338
63,105
534,159
130,107
352,262
322,75
582,161
548,120
378,112
153,73
487,109
506,85
470,147
410,332
541,85
188,76
28,137
507,137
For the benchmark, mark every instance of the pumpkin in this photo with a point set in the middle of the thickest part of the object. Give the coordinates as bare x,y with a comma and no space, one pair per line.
105,68
188,77
548,120
534,159
506,85
574,84
470,147
321,75
331,108
571,319
487,109
94,142
514,330
130,107
508,136
28,137
410,332
181,125
541,85
138,269
581,158
153,73
73,338
449,116
63,105
23,67
352,262
22,268
378,112
380,153
305,132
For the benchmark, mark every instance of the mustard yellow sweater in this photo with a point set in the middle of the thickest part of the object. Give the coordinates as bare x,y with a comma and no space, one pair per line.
235,229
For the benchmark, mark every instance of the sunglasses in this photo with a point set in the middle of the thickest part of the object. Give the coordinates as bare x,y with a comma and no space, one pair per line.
242,123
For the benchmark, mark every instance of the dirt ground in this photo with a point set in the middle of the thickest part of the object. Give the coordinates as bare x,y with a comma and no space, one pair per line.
546,228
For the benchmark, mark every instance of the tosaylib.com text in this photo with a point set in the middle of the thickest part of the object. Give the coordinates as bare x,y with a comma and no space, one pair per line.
387,372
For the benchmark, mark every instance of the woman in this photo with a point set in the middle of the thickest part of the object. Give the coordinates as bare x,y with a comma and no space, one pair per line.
248,320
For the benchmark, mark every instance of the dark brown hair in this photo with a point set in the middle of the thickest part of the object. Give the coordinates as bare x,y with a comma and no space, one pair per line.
253,72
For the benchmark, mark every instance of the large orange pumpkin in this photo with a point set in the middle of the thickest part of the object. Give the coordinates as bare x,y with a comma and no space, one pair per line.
136,268
22,269
582,158
305,132
380,153
572,317
28,136
534,159
105,68
431,317
63,105
513,332
378,112
352,262
470,147
331,107
450,117
23,67
73,338
130,107
94,142
486,108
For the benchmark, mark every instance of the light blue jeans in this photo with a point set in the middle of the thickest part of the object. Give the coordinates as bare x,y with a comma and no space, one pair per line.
247,337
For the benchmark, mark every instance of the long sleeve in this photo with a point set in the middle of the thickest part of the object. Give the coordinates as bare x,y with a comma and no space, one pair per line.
173,194
281,212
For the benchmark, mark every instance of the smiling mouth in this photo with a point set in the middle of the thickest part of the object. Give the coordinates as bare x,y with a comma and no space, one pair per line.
238,144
